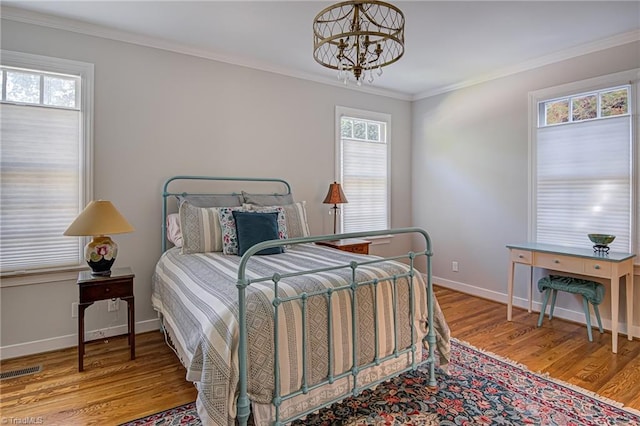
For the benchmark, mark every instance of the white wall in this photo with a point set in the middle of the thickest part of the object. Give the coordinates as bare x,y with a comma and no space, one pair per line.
470,174
159,114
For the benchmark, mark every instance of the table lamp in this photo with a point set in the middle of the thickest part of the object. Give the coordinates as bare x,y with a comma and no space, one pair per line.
97,219
335,196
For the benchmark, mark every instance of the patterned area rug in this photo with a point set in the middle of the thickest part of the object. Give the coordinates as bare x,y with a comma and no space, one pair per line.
481,389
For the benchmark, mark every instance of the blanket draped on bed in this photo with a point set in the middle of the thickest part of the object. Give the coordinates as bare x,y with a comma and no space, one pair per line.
197,297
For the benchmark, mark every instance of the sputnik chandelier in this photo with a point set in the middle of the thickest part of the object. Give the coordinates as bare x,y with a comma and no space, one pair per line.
359,38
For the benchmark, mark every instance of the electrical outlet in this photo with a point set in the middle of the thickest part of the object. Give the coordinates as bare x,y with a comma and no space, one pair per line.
113,305
454,266
74,310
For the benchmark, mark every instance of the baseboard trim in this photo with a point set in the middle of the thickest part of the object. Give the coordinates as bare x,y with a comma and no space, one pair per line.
71,340
519,302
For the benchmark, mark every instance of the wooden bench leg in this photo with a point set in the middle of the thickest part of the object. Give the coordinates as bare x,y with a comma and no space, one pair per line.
544,306
585,305
553,303
597,311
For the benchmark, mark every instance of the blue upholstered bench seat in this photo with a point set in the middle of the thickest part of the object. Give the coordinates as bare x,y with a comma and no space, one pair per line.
590,291
593,291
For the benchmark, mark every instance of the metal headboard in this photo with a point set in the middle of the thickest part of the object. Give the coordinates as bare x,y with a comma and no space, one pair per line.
166,193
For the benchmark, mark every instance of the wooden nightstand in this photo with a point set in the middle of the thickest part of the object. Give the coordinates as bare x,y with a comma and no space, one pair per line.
94,288
352,245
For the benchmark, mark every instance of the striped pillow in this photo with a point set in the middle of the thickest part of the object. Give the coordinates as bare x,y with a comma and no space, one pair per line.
201,232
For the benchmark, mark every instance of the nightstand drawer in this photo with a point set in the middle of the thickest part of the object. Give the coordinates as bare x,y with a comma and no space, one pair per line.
351,245
360,249
559,262
102,291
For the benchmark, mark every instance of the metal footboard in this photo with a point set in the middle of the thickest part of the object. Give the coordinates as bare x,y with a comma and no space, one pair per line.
243,405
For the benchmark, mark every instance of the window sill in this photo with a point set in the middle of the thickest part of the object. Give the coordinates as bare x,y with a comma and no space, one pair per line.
15,279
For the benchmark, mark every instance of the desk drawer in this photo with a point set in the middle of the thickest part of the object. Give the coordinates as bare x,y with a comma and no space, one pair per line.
597,268
521,256
558,262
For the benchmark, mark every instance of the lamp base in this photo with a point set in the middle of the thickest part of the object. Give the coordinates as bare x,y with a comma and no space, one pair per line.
100,255
101,273
334,212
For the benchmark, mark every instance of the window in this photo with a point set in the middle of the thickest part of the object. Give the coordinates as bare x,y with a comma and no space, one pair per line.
582,163
363,169
45,166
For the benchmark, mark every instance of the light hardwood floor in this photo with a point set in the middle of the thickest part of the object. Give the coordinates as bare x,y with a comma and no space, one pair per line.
113,390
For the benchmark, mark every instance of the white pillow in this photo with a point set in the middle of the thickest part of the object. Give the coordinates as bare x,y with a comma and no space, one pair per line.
174,234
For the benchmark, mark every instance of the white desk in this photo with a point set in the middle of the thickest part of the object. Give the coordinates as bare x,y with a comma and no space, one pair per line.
611,266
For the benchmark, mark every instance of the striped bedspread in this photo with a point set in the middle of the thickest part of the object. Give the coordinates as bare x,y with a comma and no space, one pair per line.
197,297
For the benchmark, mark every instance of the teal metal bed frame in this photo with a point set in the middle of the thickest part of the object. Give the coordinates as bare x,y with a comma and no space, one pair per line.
243,404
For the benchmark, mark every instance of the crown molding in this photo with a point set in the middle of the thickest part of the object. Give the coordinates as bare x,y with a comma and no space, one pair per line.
50,21
59,23
606,43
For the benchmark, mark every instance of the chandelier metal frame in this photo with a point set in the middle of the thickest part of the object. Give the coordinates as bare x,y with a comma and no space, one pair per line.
354,37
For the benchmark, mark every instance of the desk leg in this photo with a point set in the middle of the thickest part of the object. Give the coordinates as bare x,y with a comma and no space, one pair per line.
530,289
615,304
629,281
510,291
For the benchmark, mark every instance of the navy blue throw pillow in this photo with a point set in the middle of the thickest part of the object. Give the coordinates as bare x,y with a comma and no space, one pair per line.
253,228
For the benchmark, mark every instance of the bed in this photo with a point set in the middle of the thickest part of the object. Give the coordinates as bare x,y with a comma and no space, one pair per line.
270,324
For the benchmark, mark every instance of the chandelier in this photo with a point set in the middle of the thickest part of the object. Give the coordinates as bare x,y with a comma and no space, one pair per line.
359,38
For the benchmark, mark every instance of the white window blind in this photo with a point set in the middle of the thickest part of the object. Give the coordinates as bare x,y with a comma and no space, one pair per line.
44,166
40,186
365,185
584,182
364,170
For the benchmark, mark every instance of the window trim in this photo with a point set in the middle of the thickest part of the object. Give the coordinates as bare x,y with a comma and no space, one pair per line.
364,115
86,73
630,77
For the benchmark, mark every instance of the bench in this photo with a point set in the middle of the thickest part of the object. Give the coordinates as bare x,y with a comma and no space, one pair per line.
591,292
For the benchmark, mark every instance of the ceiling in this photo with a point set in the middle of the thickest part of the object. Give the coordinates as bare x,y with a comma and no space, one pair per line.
449,44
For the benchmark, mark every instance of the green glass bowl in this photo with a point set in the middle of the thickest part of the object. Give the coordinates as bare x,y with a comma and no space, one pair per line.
601,239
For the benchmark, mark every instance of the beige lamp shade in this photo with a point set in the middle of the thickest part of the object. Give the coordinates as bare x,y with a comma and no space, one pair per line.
335,195
100,217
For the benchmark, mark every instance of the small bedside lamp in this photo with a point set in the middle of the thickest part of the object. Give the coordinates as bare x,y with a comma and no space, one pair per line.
335,196
97,219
